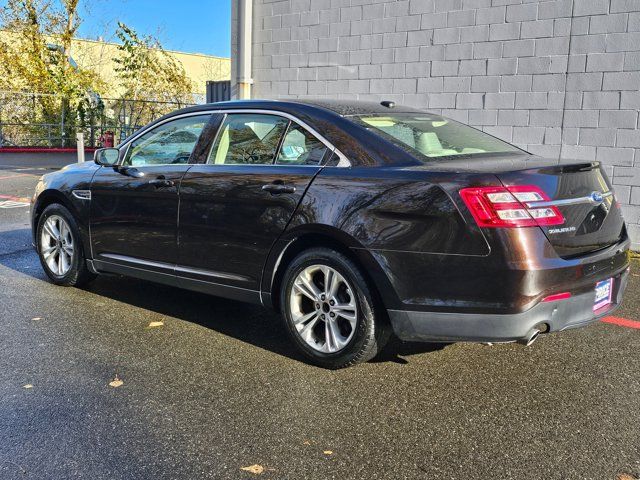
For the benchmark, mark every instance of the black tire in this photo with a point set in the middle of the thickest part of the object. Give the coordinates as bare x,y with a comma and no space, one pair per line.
78,273
372,330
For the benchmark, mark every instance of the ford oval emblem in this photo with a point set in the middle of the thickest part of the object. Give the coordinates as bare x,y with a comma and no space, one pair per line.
597,197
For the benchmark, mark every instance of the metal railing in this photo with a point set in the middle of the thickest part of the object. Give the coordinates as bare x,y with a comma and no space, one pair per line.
45,120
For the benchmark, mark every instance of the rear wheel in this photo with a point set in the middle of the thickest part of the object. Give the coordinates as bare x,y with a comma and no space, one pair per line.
60,248
329,310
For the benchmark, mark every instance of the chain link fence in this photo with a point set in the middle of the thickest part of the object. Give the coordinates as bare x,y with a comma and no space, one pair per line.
45,120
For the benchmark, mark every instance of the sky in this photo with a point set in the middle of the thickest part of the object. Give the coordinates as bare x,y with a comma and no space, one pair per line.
195,26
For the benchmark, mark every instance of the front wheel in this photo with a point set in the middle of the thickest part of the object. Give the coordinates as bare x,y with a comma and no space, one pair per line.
329,310
60,247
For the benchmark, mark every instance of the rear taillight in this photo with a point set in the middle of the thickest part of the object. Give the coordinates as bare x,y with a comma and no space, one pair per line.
510,206
557,296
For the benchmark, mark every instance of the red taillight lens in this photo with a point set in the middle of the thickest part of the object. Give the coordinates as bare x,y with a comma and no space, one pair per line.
557,296
510,206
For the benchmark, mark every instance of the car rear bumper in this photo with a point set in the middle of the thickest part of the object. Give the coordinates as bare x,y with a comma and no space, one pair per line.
554,316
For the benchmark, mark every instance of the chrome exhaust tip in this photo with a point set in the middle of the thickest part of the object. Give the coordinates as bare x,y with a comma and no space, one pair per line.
529,339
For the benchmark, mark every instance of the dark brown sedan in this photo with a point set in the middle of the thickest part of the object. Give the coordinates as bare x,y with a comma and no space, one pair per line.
355,220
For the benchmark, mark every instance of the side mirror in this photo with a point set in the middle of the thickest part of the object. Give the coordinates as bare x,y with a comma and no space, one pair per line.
107,157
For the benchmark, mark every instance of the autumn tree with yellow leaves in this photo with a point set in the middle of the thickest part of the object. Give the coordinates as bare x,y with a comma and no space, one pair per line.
35,47
34,52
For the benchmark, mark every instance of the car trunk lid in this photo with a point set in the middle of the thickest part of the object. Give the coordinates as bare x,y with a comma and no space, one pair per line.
583,195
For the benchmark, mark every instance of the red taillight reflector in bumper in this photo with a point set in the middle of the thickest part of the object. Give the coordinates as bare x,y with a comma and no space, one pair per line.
557,296
508,206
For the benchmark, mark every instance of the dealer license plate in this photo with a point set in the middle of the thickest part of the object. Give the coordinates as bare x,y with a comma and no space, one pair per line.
604,292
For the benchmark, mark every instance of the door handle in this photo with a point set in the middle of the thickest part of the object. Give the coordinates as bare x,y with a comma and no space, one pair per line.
278,188
161,182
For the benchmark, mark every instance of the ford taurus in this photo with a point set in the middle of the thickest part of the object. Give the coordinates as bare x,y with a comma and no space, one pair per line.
354,220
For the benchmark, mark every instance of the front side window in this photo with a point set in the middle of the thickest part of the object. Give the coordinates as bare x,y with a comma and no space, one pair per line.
299,147
167,144
248,139
434,137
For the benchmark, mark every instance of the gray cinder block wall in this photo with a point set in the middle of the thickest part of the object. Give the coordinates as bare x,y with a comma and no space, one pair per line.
558,77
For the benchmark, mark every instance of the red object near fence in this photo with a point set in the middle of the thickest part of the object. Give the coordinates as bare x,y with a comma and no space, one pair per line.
107,139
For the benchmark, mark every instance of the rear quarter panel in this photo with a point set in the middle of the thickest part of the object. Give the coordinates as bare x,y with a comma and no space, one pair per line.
403,223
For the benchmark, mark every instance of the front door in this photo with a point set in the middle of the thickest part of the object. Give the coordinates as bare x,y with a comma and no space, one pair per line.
134,207
235,206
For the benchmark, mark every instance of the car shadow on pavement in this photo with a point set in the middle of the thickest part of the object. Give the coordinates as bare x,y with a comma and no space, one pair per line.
15,241
249,323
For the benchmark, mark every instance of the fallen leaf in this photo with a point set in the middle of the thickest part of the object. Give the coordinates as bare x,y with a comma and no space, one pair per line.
306,442
28,385
36,318
625,476
156,324
328,452
116,382
255,469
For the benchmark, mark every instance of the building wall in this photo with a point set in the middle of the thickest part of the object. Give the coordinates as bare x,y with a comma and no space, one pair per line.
98,56
199,67
558,78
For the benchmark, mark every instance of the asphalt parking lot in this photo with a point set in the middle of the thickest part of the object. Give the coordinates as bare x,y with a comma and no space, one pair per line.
215,387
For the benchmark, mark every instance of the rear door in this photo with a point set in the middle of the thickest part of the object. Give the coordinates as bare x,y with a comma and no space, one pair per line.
134,207
235,206
583,195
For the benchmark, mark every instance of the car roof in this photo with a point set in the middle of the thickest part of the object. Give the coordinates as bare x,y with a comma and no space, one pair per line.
339,107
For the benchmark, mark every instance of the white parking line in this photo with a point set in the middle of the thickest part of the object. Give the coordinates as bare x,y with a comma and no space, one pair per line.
12,204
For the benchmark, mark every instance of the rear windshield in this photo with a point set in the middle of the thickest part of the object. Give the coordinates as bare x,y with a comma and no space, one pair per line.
435,137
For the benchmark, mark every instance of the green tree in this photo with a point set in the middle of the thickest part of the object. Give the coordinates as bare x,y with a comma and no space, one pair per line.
36,37
146,71
152,82
35,49
35,45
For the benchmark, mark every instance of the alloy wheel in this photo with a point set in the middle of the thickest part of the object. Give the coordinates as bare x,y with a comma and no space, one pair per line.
323,308
56,245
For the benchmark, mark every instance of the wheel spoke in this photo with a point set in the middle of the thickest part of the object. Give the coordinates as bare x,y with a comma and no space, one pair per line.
304,318
307,287
346,311
334,340
51,229
58,225
47,252
52,262
63,231
328,337
301,288
66,260
332,282
340,339
60,262
306,331
311,286
68,237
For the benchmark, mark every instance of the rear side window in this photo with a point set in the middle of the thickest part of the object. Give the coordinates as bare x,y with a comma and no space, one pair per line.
435,137
248,139
300,147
